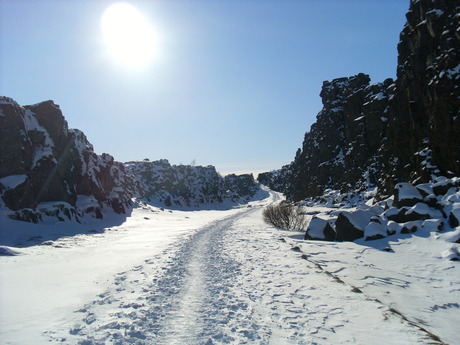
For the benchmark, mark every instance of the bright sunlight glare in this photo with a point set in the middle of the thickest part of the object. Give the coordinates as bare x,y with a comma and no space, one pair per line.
129,37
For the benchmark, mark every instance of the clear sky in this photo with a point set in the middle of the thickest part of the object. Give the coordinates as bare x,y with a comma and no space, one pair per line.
232,83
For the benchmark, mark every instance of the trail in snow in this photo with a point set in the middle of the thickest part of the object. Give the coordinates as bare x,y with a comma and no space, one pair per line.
234,282
185,302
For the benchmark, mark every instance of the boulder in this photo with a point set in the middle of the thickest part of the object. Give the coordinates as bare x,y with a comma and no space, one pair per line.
442,186
375,231
433,225
350,226
454,216
431,200
419,211
26,215
320,229
393,227
405,194
410,227
425,189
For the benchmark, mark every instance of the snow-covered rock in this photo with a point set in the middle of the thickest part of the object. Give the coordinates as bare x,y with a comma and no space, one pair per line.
452,254
320,229
374,231
45,166
406,195
374,220
350,225
187,185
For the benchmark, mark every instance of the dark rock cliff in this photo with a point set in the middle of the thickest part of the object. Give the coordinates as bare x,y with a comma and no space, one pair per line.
48,169
384,133
275,179
341,151
186,185
424,123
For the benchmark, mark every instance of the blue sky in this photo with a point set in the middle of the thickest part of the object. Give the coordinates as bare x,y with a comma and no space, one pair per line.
232,83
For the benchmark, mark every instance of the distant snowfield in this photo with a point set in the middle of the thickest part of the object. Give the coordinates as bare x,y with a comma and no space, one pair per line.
222,277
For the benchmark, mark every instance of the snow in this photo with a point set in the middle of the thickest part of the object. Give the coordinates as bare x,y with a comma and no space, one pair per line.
436,12
359,218
316,227
42,288
336,109
393,227
7,251
379,96
415,277
43,149
422,208
6,100
407,191
450,253
222,277
85,201
12,181
374,229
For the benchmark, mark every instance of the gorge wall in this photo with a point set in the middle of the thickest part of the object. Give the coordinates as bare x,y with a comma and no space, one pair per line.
384,133
50,171
188,186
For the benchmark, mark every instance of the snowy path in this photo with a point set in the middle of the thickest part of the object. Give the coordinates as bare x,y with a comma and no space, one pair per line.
234,281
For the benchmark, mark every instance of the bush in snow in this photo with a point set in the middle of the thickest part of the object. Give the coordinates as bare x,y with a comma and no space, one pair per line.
285,216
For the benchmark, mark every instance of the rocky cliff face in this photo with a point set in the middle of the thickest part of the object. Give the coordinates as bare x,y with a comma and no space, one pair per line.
275,179
381,134
47,169
341,151
186,185
425,124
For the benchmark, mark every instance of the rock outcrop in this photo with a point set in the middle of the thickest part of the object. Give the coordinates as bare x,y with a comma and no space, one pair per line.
276,179
434,209
239,187
384,133
186,185
47,169
342,149
424,125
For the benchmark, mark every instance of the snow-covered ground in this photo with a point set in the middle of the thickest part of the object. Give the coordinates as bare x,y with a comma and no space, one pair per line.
221,277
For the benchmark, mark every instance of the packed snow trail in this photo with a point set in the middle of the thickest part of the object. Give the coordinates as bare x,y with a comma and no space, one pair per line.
234,282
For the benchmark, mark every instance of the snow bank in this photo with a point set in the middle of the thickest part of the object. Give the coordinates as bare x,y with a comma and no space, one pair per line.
8,251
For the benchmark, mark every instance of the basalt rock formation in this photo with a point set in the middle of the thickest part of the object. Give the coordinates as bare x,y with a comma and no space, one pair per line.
159,182
384,133
48,169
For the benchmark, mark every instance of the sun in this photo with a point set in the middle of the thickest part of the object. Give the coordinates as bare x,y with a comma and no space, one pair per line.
129,37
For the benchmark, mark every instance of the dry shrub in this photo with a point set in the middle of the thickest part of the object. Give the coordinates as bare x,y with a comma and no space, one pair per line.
285,216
